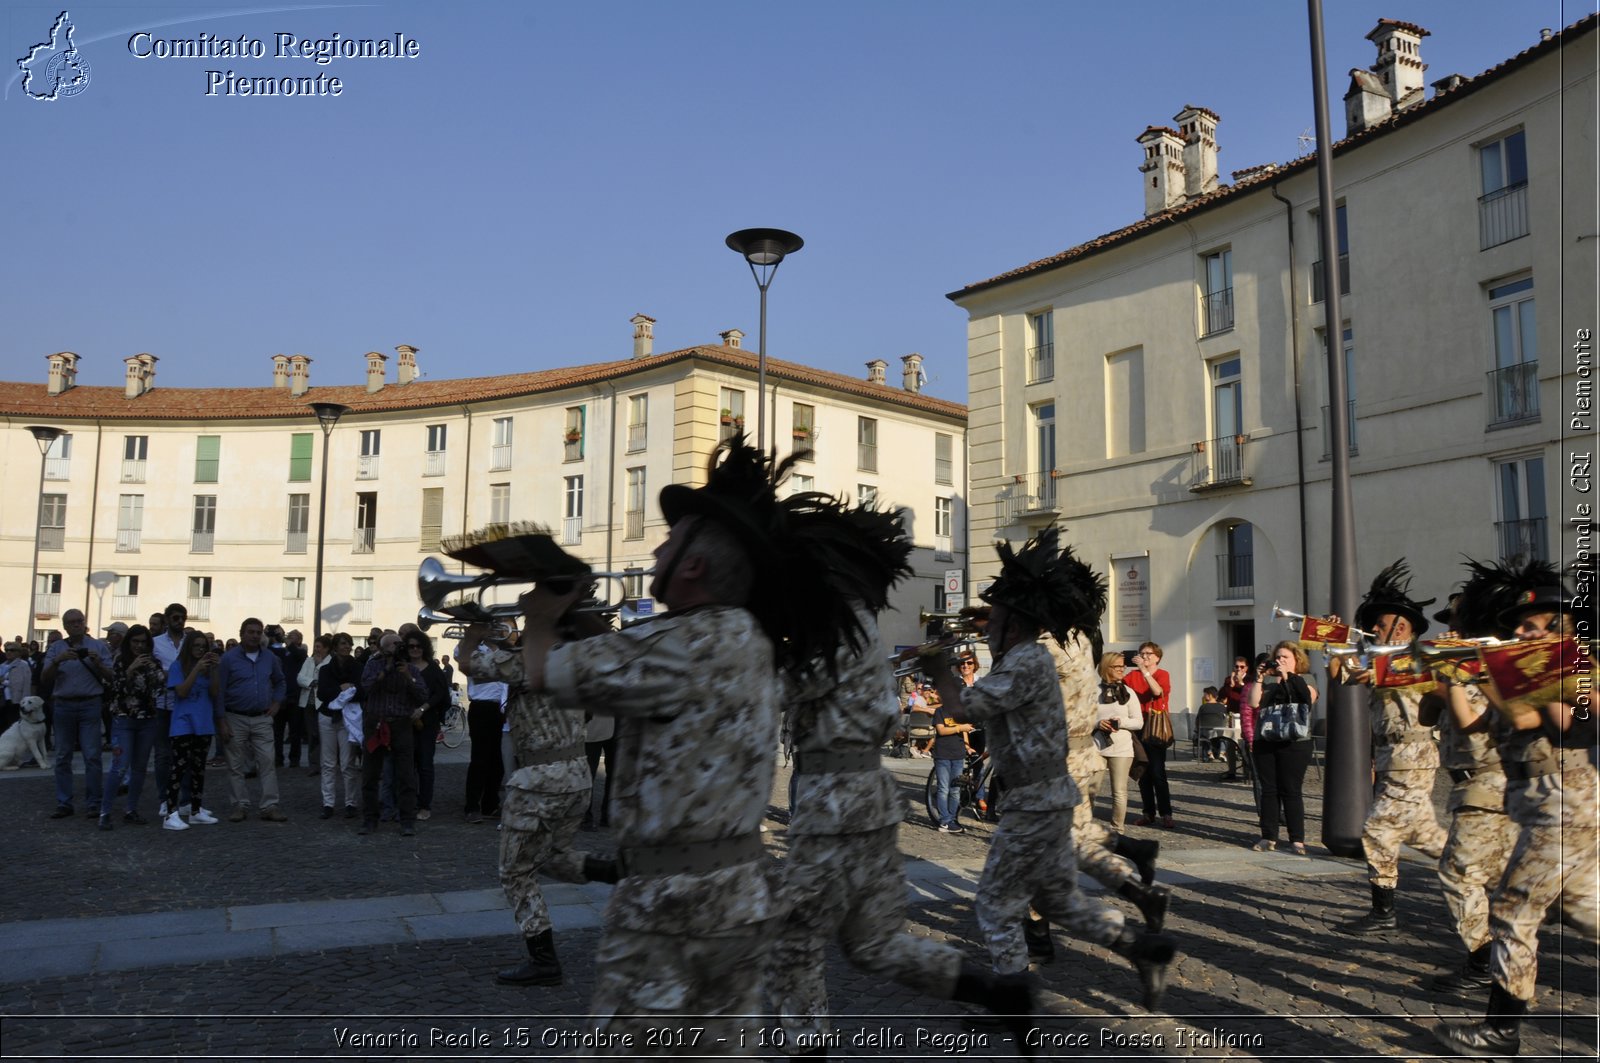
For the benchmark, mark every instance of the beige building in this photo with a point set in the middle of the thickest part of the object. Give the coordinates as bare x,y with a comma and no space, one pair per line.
1162,392
209,496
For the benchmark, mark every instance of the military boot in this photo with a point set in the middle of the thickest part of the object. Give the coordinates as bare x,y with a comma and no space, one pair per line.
1008,997
1142,853
540,968
1041,946
1150,954
1499,1034
1381,917
1151,901
598,870
1474,974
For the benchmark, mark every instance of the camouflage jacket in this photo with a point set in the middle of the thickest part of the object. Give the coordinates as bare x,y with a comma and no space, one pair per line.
537,727
1019,705
1399,741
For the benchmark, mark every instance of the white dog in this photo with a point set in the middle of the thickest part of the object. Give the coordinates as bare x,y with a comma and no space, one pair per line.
24,738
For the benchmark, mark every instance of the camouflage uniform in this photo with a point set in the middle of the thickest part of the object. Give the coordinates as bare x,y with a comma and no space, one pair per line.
1552,796
545,799
1031,857
1406,759
843,876
1079,683
1481,834
695,694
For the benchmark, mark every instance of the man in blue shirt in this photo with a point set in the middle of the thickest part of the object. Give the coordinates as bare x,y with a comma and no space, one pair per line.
252,694
80,668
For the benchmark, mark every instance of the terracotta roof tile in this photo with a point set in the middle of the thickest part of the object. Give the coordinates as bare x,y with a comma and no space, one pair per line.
1411,27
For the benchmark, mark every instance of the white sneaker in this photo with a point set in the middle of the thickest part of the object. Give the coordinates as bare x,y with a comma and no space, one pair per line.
174,822
203,816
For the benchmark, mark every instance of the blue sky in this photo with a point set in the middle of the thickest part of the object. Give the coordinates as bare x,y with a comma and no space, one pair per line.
542,171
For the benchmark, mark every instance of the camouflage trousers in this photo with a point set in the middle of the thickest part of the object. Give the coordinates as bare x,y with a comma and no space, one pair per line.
849,887
1032,861
1474,858
702,987
1094,839
1402,814
1554,861
536,836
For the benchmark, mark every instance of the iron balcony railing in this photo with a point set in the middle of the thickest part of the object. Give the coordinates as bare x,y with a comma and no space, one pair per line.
1523,539
293,610
199,608
294,542
572,449
47,604
1236,576
129,540
942,548
1502,216
1218,463
571,531
433,463
636,437
133,470
58,468
1030,494
1041,363
1514,393
367,467
1349,427
124,605
1217,310
866,457
500,457
363,541
1316,278
633,524
201,542
52,538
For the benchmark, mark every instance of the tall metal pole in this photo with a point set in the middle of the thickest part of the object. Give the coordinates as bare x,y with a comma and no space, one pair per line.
761,373
44,436
764,250
328,414
1347,788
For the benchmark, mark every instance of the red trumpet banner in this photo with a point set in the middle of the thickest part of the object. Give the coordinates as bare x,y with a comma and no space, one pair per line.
1535,671
1317,633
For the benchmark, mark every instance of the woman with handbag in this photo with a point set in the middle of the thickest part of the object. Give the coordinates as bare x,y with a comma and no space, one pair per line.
1282,748
1152,685
1117,733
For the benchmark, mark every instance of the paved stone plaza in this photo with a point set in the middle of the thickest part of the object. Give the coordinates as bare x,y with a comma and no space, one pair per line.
303,940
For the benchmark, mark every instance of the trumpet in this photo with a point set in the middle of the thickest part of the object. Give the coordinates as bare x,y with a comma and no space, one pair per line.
457,630
1363,652
1332,629
962,623
434,585
925,650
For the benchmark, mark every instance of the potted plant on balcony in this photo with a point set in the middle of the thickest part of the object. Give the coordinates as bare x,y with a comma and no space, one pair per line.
572,435
802,433
727,416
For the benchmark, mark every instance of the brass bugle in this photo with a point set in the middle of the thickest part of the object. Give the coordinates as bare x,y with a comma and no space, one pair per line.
434,584
1364,653
427,618
1284,614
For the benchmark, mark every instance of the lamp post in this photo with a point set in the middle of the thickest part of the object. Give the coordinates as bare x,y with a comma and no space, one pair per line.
45,436
764,249
328,414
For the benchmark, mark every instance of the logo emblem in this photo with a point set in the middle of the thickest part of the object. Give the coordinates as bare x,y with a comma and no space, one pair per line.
55,69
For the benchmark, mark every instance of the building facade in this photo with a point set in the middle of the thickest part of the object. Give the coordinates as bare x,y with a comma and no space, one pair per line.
209,496
1162,390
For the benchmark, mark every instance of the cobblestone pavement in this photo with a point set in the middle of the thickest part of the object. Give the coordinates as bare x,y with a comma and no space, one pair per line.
1264,972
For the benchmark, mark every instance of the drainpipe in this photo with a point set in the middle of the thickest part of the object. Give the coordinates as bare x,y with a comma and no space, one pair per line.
1299,435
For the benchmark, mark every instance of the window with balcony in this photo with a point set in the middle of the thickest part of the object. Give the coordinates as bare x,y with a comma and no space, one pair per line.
432,519
199,599
47,594
203,527
293,609
500,449
433,456
1236,563
1514,381
633,514
943,461
207,459
130,523
866,495
52,522
1044,444
866,444
125,598
1219,461
1216,303
1041,347
365,536
135,450
638,422
361,600
58,458
572,510
1503,207
730,412
300,446
367,461
295,531
1349,392
943,524
500,503
1342,231
804,420
573,431
1522,516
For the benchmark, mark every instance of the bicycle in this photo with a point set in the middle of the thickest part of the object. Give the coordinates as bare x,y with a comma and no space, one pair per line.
977,773
453,726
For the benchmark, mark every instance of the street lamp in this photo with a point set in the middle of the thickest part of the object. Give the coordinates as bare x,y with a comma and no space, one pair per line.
45,436
764,249
328,414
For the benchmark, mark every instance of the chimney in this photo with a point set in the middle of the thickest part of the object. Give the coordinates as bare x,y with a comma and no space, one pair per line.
141,371
406,365
644,335
911,372
1163,167
280,370
732,338
878,372
299,375
1366,103
63,371
1448,83
1198,127
148,362
375,371
1399,64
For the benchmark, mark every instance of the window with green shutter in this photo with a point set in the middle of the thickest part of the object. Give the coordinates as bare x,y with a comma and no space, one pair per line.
300,457
207,456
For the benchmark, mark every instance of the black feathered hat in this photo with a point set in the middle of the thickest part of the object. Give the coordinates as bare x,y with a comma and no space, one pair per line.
1533,587
1391,593
1034,582
1490,590
865,550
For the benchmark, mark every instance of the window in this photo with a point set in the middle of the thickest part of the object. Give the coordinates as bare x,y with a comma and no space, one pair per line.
52,522
804,419
799,485
1041,347
943,464
866,495
294,536
500,503
1349,392
125,598
47,594
866,444
300,444
361,600
500,451
731,412
1040,485
366,531
58,458
1227,401
638,421
207,458
633,583
130,523
943,511
433,457
1221,459
1125,420
573,432
432,518
1236,563
199,598
633,523
1217,304
203,529
1342,228
135,449
367,463
1503,207
1514,382
1519,489
572,511
294,599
